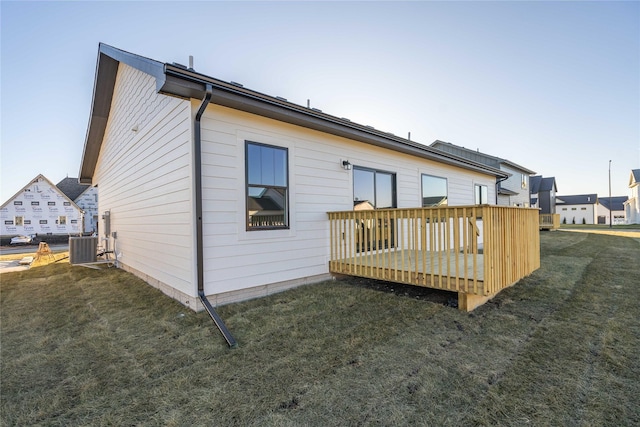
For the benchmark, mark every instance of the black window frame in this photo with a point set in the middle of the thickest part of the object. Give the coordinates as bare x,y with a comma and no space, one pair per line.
394,192
247,185
476,193
446,184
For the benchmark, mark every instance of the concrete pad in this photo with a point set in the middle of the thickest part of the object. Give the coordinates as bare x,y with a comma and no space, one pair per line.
11,266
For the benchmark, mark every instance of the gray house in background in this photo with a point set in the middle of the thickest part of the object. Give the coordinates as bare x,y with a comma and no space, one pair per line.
543,193
86,197
512,191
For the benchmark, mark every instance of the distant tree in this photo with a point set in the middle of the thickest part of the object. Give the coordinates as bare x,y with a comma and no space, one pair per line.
573,221
564,220
584,220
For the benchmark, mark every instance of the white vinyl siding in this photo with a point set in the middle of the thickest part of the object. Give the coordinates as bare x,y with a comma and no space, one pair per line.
578,214
144,177
237,259
515,183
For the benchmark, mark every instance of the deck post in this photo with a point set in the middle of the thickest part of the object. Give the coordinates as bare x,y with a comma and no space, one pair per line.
469,302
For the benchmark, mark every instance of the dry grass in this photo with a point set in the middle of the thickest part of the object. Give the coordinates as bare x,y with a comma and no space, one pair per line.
85,347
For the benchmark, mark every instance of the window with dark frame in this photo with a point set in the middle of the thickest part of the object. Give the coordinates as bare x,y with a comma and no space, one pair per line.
267,186
373,189
481,194
434,191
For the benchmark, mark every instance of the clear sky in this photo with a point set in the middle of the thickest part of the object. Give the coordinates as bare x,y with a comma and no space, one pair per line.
552,86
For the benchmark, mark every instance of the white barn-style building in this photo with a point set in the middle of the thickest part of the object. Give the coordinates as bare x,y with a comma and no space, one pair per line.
213,189
577,209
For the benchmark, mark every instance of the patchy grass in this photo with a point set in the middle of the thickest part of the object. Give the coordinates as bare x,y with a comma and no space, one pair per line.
86,347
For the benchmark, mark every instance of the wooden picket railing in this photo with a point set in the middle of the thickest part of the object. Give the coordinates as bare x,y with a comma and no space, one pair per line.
549,221
476,250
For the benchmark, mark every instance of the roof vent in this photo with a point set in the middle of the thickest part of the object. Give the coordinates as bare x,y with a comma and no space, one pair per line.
191,63
236,84
175,64
345,119
281,98
317,109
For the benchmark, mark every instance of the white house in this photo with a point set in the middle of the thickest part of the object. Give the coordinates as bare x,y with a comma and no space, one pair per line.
40,208
632,205
512,191
577,209
219,191
611,208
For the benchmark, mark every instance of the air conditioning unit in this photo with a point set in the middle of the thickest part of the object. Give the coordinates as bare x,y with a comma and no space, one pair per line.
82,250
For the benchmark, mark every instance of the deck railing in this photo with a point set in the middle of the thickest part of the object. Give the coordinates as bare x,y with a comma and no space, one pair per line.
471,249
549,221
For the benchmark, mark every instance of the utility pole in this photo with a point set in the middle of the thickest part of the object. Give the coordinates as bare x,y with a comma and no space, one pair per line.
610,206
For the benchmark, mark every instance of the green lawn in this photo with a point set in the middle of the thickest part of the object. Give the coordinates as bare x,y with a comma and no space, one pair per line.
562,347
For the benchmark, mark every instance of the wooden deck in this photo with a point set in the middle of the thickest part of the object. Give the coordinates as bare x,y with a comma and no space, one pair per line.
549,221
420,268
473,250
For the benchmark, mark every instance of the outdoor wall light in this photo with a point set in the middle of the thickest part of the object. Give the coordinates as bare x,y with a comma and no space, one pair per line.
346,165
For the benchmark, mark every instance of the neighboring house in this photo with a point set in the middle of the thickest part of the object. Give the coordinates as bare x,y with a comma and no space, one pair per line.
214,189
86,197
632,205
40,208
611,208
543,194
513,191
577,209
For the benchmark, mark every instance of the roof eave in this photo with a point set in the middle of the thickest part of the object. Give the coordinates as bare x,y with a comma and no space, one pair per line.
189,84
184,83
104,83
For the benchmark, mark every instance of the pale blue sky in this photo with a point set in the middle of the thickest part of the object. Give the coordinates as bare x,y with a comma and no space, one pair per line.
552,86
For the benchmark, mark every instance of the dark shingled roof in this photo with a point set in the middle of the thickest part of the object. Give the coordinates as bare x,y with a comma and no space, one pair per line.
478,156
578,199
71,187
617,202
538,183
